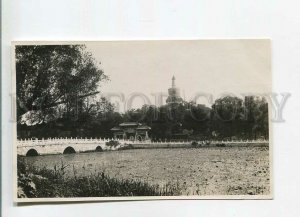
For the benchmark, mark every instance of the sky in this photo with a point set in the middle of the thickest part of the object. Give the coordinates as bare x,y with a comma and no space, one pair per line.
199,66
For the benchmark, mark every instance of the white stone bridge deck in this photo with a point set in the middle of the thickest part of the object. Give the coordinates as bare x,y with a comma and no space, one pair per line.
29,147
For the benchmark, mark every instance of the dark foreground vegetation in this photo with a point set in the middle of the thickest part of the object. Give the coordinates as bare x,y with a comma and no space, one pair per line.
45,183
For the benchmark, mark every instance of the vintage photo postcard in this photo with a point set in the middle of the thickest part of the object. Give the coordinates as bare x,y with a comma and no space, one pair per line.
139,120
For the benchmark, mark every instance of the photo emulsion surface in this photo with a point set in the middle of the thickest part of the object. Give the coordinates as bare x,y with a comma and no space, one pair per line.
125,120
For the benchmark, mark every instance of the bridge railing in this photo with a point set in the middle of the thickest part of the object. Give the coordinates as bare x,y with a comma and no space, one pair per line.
61,141
33,142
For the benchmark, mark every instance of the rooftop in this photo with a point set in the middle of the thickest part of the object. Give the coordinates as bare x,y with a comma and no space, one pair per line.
129,124
144,128
116,128
134,125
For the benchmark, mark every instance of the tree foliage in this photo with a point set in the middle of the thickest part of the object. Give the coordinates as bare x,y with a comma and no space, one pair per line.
228,118
50,75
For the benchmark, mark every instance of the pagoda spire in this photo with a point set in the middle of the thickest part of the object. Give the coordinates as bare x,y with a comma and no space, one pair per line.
173,81
174,94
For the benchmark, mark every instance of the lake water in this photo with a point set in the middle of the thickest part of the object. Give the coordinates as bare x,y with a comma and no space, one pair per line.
213,170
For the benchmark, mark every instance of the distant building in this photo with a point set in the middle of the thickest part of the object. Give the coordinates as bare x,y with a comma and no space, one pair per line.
131,130
174,94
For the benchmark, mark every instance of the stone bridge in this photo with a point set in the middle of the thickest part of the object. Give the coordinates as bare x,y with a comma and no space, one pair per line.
60,146
69,145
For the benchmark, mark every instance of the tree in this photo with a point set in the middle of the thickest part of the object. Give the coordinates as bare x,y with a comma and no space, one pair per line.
256,119
197,119
227,116
51,75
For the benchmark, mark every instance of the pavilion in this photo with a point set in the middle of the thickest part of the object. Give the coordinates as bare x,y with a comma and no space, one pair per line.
131,130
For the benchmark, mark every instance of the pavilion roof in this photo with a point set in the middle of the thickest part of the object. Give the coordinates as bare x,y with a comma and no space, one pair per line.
129,124
144,128
116,129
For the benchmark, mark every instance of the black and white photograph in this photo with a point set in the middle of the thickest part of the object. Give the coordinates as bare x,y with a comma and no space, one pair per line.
138,120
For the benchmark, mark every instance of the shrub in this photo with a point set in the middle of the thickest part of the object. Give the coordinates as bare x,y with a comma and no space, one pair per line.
220,144
207,143
112,143
194,144
126,147
26,187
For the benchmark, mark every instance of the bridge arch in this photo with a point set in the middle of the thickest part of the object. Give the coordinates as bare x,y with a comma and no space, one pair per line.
32,152
69,150
99,149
